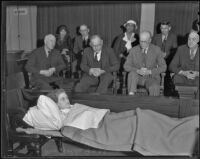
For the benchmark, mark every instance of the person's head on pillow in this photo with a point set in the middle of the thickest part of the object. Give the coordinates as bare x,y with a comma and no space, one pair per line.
60,97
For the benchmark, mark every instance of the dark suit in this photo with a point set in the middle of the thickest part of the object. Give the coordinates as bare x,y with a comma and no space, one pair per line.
39,61
119,48
79,46
182,61
153,61
109,63
170,44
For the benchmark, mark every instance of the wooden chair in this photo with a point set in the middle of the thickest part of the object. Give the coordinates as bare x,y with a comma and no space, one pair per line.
186,91
141,91
15,102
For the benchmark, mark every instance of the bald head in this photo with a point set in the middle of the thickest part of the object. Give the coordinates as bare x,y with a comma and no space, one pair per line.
193,39
145,39
96,42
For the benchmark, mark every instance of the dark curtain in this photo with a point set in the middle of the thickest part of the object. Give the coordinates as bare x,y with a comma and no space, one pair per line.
103,19
180,14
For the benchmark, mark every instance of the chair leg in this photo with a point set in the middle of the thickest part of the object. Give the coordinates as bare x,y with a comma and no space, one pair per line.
38,149
59,144
10,149
34,149
21,146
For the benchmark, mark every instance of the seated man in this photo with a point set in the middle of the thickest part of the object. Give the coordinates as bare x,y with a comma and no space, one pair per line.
185,63
167,41
80,43
97,63
144,63
44,64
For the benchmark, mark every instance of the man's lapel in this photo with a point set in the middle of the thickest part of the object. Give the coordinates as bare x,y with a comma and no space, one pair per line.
103,57
150,55
197,58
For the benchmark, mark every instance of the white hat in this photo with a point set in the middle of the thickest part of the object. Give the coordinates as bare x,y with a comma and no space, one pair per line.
131,22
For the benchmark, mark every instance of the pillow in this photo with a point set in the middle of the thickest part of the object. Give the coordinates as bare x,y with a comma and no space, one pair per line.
46,115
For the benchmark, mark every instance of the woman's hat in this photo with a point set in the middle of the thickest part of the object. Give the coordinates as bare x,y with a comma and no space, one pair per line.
131,22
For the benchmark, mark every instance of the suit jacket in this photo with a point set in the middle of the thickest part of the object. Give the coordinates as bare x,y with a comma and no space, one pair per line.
154,60
182,59
108,59
78,44
39,61
119,45
171,42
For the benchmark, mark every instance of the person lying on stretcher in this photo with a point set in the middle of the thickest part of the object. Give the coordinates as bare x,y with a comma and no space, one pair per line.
144,131
54,111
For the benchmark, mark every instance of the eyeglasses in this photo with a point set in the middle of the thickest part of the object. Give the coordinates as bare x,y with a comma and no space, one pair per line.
144,42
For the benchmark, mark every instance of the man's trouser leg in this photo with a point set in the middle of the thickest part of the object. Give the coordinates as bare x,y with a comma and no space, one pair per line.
105,81
42,84
85,83
133,79
153,86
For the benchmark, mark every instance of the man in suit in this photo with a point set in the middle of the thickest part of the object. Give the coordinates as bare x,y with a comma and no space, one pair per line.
144,63
166,40
185,63
98,62
44,64
80,43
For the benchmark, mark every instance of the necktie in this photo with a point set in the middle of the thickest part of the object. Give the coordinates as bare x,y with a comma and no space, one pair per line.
163,44
144,57
95,56
192,54
84,43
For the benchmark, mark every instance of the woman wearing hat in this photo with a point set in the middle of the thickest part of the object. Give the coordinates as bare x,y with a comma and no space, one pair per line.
126,41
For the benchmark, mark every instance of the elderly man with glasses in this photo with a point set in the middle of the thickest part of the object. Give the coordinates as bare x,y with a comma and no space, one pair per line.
144,63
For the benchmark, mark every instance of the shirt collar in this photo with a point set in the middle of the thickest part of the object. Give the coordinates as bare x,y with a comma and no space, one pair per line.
164,36
125,38
146,50
85,38
47,51
195,50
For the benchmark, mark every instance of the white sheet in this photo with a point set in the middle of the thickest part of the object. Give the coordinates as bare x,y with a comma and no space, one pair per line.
47,116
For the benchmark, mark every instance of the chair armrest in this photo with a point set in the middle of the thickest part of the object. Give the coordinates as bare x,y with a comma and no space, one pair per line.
114,86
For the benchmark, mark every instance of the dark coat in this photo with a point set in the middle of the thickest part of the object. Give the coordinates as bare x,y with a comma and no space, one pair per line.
108,58
39,61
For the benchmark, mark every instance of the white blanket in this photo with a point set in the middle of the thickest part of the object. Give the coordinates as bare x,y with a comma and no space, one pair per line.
47,116
84,117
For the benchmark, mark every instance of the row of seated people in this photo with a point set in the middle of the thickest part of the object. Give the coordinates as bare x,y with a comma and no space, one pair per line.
129,54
